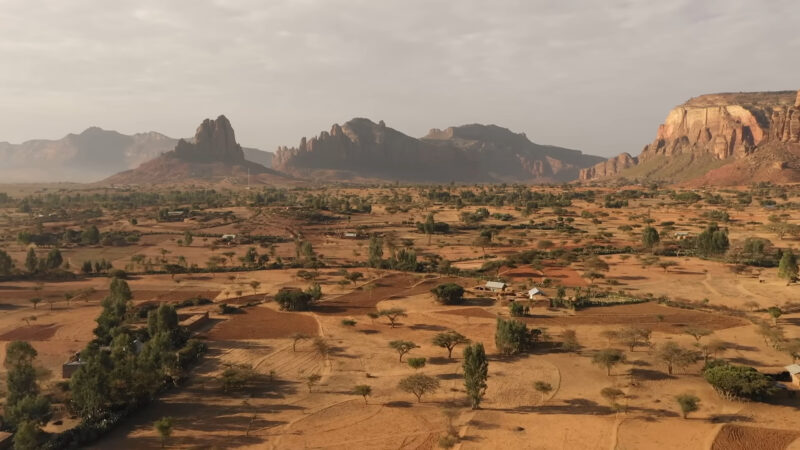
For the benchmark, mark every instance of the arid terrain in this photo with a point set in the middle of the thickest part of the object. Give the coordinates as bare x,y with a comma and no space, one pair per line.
587,241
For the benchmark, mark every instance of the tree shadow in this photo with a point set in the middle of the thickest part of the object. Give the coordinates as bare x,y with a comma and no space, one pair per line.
398,404
650,375
440,360
449,376
427,327
727,418
578,406
478,301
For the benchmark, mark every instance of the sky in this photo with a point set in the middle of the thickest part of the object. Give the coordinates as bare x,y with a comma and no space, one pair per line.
598,76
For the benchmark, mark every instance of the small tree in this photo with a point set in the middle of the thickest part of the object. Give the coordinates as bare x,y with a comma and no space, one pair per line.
543,388
611,395
608,358
792,348
673,355
353,277
255,285
698,333
393,314
418,384
35,301
775,313
296,337
476,372
569,341
28,436
650,237
688,403
321,346
312,379
511,336
402,347
449,340
363,390
164,428
787,267
634,337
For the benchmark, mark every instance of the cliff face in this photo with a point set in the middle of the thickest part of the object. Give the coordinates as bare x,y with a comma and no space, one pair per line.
214,140
719,127
470,153
609,167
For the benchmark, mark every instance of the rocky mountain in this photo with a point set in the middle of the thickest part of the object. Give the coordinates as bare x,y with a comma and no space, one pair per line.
212,155
91,155
757,133
362,149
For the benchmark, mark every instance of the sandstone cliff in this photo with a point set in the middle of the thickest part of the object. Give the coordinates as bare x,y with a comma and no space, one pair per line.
471,153
715,129
214,140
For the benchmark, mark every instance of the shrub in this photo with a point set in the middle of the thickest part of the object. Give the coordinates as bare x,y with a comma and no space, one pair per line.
511,336
738,382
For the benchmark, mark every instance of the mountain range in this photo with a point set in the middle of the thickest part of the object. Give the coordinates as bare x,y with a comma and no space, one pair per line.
89,156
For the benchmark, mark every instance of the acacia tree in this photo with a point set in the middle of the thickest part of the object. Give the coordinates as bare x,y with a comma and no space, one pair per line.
402,347
393,314
543,388
650,237
363,390
164,428
449,340
608,358
476,372
418,384
698,333
673,355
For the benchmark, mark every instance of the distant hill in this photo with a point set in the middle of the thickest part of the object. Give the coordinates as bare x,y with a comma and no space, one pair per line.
719,139
362,149
213,155
89,156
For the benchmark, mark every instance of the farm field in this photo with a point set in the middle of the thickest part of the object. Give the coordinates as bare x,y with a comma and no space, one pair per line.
596,277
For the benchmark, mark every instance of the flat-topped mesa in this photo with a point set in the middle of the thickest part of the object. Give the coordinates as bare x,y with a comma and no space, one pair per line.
213,141
718,127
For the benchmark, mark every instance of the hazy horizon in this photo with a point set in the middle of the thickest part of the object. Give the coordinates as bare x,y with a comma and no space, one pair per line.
595,79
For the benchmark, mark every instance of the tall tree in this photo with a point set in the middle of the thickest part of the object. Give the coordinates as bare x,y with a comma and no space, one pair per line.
787,267
650,237
6,264
476,372
31,261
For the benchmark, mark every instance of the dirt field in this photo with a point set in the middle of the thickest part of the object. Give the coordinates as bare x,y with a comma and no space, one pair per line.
263,322
288,413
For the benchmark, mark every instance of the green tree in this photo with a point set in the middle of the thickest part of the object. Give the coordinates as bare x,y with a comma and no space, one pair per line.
449,340
294,300
688,403
418,384
448,294
569,341
23,402
697,332
35,301
6,264
650,237
187,238
402,347
430,226
611,394
511,336
363,390
608,358
28,436
31,261
787,267
54,259
91,236
375,258
476,372
164,428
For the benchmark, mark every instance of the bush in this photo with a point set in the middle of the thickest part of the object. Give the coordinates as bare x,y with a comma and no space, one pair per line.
224,308
449,294
191,352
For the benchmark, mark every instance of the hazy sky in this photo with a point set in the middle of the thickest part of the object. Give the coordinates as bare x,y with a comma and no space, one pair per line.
588,74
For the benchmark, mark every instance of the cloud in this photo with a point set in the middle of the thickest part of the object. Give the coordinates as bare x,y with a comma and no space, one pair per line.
598,76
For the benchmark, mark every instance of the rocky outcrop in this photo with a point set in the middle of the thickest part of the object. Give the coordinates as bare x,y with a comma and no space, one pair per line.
214,140
212,155
609,167
718,127
471,153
